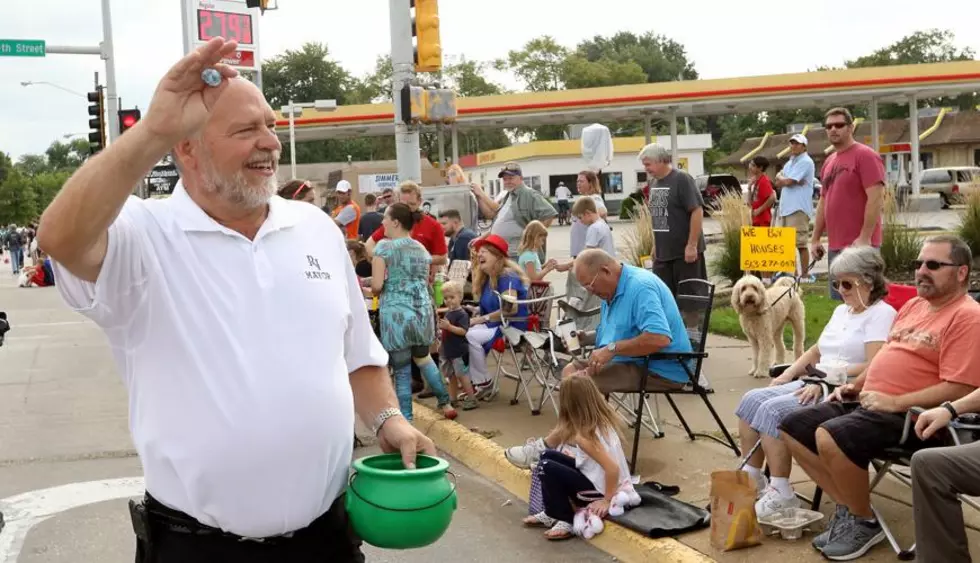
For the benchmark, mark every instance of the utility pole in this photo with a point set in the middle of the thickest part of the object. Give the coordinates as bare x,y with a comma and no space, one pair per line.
403,73
108,55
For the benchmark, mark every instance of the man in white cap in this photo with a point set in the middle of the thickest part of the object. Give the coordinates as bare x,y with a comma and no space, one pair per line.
347,213
795,183
237,325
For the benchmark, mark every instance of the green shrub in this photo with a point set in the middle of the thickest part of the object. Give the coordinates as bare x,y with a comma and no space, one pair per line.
969,229
638,238
900,241
731,213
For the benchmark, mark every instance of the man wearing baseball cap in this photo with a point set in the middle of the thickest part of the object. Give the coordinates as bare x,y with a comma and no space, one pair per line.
520,206
795,182
347,213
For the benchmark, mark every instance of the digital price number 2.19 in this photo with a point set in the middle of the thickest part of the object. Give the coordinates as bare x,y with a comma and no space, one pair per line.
211,24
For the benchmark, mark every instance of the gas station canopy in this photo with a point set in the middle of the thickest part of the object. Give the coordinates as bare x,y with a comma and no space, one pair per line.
824,89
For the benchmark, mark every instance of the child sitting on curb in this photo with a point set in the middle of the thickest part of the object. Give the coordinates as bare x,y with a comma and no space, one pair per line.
454,324
593,458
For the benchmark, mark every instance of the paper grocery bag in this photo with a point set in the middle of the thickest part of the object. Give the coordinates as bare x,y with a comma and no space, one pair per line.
733,521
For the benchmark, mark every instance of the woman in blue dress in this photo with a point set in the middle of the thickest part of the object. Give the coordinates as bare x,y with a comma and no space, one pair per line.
400,277
492,272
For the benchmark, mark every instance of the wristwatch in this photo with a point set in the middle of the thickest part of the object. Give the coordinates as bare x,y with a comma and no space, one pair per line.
952,410
383,417
611,347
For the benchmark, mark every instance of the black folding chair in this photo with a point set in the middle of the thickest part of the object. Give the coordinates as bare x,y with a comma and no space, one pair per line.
694,298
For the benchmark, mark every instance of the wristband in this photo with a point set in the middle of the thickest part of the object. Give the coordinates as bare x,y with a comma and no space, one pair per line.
383,417
952,410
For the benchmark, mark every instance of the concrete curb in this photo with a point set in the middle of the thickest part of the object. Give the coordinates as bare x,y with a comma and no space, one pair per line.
487,458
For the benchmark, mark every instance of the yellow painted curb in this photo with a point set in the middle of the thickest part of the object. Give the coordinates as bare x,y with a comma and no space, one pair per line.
487,458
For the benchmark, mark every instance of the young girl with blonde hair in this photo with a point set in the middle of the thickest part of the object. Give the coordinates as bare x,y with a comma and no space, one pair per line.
590,458
535,235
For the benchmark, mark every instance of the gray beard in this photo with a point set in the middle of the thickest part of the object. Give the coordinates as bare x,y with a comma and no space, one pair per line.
236,190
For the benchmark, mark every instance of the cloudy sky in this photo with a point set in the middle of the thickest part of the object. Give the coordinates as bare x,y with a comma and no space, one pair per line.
724,38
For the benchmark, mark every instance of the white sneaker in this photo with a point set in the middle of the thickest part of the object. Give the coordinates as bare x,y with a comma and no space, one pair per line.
761,486
774,501
527,455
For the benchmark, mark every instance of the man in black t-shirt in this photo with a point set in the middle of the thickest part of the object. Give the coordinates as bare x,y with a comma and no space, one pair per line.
370,218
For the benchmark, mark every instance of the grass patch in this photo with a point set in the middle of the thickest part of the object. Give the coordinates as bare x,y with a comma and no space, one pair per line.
819,308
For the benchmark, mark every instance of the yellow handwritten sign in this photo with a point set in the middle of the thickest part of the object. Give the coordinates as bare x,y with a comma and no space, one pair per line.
768,249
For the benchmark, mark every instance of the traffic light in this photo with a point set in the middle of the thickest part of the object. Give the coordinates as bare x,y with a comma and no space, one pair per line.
128,118
262,5
425,28
96,111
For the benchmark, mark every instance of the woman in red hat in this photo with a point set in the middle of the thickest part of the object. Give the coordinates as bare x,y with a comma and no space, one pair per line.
493,272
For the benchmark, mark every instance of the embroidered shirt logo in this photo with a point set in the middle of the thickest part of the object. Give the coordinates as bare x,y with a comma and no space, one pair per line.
315,273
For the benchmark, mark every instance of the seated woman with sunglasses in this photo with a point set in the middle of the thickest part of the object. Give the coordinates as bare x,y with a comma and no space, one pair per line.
856,331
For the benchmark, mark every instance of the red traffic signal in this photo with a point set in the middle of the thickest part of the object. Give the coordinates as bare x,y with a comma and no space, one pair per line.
128,118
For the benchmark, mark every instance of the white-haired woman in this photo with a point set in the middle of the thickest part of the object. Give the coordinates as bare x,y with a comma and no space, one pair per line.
856,331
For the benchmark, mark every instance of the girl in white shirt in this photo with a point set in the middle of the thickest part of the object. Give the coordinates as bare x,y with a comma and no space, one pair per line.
590,459
856,331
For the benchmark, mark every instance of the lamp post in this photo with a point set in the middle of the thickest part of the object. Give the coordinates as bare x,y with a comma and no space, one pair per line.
295,109
27,83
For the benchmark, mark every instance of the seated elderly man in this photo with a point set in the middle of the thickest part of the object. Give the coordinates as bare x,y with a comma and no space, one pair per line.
930,357
639,317
938,476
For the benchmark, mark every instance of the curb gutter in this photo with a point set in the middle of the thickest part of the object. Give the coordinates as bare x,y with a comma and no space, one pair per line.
487,458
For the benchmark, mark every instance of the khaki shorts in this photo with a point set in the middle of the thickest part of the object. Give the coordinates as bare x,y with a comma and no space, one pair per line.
801,222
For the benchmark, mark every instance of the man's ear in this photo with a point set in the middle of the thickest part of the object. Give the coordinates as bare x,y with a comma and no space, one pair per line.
186,153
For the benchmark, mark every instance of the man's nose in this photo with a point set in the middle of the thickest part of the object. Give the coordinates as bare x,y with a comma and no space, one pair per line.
269,141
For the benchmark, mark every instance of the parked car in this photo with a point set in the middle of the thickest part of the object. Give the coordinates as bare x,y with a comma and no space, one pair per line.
951,183
713,186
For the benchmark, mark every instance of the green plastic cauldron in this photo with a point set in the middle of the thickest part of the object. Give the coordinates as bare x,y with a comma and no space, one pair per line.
396,508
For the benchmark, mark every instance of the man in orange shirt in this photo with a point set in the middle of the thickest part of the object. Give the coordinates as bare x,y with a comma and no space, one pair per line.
931,357
347,214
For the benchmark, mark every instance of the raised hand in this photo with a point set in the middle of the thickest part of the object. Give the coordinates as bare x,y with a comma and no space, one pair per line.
182,100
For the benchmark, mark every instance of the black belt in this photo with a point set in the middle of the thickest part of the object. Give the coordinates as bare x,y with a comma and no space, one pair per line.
151,516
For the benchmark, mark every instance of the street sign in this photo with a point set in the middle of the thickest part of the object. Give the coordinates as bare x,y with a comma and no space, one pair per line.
21,48
162,179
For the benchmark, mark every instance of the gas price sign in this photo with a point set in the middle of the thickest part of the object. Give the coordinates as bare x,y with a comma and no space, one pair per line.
232,19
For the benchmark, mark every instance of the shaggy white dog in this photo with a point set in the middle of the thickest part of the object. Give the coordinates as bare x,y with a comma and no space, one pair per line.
763,313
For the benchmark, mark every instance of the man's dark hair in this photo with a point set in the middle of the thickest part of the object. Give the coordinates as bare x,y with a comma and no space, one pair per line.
761,161
403,215
370,199
450,214
843,112
959,251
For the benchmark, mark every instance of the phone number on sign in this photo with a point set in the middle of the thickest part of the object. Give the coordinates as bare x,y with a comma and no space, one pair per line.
763,264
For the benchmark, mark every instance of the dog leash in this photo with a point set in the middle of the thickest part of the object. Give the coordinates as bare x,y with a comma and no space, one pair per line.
796,285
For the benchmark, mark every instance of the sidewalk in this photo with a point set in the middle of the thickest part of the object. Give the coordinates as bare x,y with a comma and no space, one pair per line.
673,460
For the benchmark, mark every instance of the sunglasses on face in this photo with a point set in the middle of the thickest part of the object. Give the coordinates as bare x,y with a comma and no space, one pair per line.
932,265
844,284
837,125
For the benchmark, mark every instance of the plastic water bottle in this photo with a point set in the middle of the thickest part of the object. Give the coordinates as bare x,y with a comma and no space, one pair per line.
437,289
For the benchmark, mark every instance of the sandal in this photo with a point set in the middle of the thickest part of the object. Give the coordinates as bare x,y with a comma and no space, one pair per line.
539,520
560,531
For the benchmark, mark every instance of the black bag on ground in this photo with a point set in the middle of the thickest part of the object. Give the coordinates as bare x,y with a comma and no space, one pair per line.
660,516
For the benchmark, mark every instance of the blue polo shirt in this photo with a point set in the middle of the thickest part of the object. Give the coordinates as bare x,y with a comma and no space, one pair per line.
643,303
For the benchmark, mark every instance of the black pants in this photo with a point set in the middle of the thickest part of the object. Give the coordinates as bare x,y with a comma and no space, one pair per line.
673,272
560,483
328,538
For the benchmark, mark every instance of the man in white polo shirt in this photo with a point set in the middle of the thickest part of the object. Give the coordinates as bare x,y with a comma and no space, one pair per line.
244,370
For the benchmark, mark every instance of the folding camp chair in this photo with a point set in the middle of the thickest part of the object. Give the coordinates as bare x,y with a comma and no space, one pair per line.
695,308
963,430
532,350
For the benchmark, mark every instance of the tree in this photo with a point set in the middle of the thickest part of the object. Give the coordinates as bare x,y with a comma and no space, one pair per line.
67,156
661,59
33,164
304,76
922,47
540,65
17,201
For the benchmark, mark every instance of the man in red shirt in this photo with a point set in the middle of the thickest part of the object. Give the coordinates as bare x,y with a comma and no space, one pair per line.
853,193
428,231
761,195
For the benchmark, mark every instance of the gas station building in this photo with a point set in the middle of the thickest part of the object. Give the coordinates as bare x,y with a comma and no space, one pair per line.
904,84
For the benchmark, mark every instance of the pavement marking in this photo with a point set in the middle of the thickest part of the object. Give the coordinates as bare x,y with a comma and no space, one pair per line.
26,510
